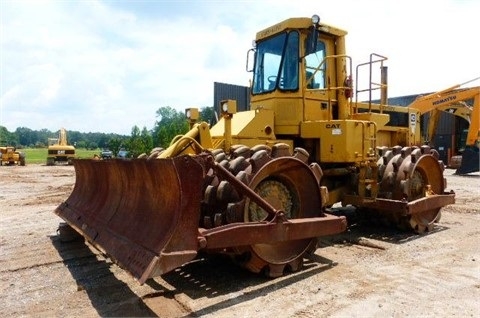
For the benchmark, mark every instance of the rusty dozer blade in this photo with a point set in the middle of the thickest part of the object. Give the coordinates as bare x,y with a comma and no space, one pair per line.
145,214
142,213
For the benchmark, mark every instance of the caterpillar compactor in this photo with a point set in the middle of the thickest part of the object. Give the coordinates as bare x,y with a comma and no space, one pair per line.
259,184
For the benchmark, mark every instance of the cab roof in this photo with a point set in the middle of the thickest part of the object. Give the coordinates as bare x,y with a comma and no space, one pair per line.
298,23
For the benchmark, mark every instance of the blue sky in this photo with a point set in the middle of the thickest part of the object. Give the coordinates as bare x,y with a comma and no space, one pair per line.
105,66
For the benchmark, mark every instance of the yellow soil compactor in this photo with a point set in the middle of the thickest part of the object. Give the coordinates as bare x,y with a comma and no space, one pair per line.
257,185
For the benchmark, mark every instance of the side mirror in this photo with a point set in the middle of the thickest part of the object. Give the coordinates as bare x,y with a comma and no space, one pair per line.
312,39
250,60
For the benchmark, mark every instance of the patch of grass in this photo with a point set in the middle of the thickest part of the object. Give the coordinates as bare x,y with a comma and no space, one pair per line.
39,155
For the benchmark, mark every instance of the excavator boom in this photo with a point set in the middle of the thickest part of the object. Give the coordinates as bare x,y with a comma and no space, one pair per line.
454,101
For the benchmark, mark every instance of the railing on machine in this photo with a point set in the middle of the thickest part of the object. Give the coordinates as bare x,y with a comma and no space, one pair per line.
320,68
367,142
372,86
345,85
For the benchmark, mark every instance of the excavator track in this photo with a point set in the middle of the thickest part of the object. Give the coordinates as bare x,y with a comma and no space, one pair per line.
283,180
411,173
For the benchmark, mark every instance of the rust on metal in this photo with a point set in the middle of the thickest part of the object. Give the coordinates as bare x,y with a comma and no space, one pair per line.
244,189
277,230
403,207
430,202
143,214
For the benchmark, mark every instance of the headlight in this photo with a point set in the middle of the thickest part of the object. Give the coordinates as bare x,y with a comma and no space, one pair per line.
315,19
228,106
191,113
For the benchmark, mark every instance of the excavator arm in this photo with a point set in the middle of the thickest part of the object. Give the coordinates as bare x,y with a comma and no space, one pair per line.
454,100
460,109
62,137
441,100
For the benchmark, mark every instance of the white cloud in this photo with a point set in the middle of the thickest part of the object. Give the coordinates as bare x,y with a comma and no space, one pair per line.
109,65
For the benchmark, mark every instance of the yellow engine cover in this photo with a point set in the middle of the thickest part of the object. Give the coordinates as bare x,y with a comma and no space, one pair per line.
342,141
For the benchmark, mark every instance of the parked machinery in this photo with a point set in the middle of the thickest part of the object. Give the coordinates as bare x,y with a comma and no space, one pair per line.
470,157
257,185
10,156
59,150
463,102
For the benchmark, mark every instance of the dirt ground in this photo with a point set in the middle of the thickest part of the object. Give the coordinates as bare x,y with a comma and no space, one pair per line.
393,275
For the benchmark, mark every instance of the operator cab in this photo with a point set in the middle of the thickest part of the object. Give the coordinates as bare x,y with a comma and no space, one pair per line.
300,71
281,55
277,63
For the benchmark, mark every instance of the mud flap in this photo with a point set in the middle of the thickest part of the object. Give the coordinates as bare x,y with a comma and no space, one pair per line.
143,214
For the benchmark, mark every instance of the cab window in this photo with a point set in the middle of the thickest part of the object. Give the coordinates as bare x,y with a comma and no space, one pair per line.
315,67
276,63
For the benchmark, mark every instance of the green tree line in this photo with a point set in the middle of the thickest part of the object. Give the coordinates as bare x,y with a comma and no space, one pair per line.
169,123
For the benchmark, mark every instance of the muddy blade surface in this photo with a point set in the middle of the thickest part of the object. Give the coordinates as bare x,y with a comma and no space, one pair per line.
143,214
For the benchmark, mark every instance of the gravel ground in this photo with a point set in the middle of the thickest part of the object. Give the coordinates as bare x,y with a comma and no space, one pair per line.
364,272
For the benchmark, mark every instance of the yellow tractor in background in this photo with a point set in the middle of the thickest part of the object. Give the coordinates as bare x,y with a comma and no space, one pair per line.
59,150
260,184
10,156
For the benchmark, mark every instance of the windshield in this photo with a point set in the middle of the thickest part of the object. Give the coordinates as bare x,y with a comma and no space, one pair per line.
276,64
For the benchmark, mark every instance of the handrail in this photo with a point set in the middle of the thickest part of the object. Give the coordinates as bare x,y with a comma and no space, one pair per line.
324,60
370,63
327,87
